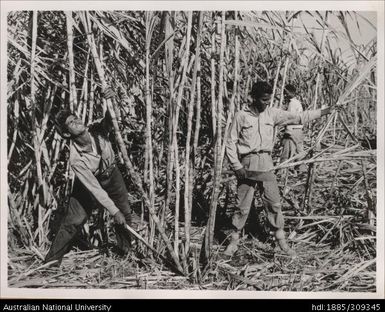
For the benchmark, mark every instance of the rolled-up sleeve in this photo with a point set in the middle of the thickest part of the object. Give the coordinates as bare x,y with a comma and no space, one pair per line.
84,174
282,118
231,143
310,115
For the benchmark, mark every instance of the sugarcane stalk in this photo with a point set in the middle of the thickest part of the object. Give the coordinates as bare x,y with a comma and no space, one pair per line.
16,112
185,63
72,84
352,136
135,177
275,82
51,92
92,98
313,168
84,94
198,111
177,197
148,245
213,81
187,188
370,214
35,132
355,131
150,24
284,80
169,55
33,100
209,234
197,121
235,85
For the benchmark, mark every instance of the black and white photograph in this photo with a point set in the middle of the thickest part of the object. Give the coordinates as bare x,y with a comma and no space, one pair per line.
214,148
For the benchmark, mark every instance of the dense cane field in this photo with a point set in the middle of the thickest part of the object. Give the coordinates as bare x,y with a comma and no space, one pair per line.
179,77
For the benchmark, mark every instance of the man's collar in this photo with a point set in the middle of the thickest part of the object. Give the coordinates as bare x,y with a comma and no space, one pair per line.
79,148
83,149
251,111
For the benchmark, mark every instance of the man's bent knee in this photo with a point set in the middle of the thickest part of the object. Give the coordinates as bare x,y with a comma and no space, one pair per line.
76,215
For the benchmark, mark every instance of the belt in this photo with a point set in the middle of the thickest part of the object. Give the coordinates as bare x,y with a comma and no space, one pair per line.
294,127
255,153
260,152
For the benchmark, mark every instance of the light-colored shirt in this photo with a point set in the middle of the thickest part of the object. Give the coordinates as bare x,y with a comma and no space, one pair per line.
294,107
251,132
85,164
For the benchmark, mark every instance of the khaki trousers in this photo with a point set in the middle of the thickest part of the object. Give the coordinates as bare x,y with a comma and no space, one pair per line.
268,190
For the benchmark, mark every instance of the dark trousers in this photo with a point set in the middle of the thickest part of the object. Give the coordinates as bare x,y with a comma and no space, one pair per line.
79,209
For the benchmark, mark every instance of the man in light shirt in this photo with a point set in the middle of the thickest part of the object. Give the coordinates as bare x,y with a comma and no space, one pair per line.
97,180
293,137
248,148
